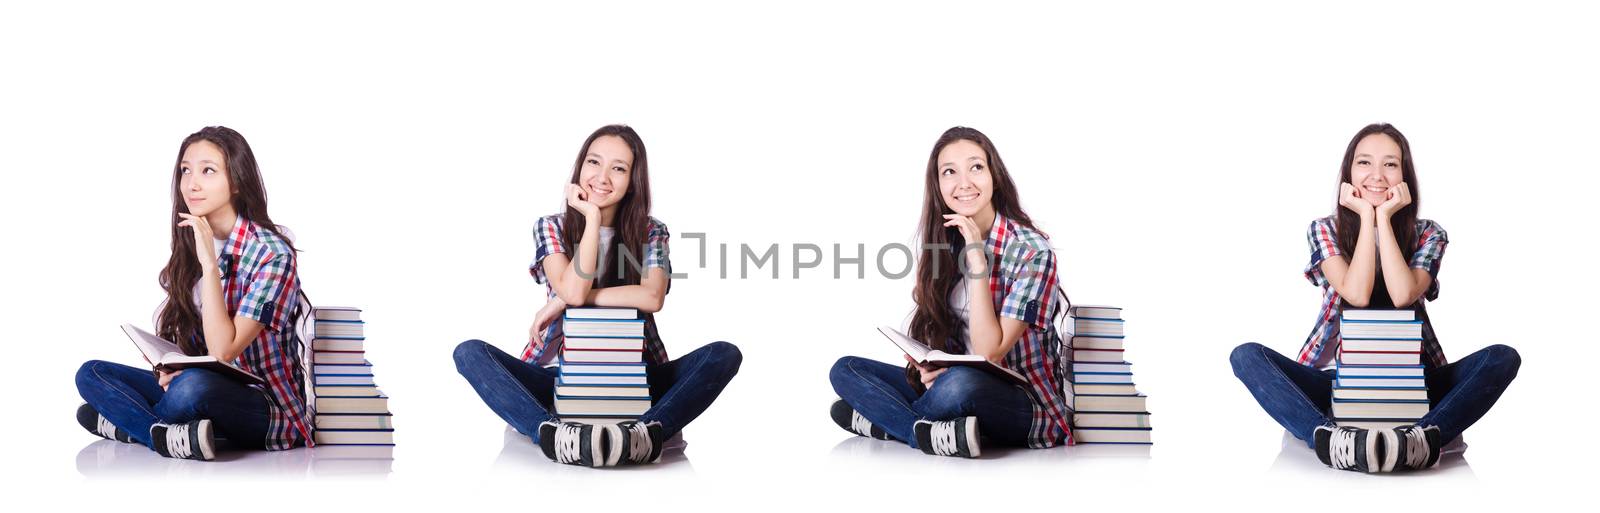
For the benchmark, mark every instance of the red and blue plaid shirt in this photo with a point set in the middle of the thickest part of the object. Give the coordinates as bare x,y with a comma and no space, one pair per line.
547,241
1022,278
260,282
1324,240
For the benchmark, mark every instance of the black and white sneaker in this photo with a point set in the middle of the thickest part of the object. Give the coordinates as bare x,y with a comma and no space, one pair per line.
955,437
99,425
852,421
639,442
578,444
1350,448
1415,447
190,441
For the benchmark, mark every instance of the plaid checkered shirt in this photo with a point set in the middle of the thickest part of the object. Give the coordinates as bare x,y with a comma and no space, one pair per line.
1324,240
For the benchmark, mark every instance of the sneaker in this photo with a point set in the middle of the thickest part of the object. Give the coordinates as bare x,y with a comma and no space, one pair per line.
576,444
639,442
97,424
955,437
191,441
1416,447
1349,448
852,421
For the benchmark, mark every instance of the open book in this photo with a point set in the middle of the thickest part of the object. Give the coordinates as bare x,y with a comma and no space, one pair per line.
166,356
925,355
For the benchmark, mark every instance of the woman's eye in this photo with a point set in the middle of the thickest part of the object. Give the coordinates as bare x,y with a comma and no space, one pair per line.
183,171
1362,162
946,171
592,162
210,171
1391,164
977,167
620,169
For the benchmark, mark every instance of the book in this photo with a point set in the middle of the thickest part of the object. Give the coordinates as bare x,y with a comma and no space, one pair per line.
925,355
1097,342
354,421
1122,367
347,357
167,356
346,390
604,344
600,356
1103,388
576,391
600,312
342,369
1111,419
1382,345
1377,358
342,379
356,345
1380,329
1109,403
345,404
1374,409
602,379
602,327
1357,314
1097,355
340,329
1107,435
600,406
1095,312
1381,393
337,313
1085,326
354,436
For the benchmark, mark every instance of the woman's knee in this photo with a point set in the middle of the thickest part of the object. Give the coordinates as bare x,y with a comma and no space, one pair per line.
845,368
470,354
1504,357
188,394
1245,355
87,373
726,355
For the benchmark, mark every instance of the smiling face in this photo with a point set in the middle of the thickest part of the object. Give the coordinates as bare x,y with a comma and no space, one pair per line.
607,171
203,181
1376,168
965,183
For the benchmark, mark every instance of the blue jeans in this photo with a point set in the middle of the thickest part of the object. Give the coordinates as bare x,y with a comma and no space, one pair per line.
1300,397
132,399
524,394
879,392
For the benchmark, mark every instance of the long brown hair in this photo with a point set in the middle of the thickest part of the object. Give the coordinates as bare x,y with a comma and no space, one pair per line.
934,323
633,213
1403,221
179,320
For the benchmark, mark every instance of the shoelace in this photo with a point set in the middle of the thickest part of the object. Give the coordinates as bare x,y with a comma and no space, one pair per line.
639,443
105,428
178,441
943,437
569,443
1416,448
1342,448
860,424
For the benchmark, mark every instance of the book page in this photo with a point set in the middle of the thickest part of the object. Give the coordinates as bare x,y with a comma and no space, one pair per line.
153,347
917,350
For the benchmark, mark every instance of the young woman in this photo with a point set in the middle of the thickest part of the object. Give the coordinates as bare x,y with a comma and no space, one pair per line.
232,293
1374,252
605,250
986,285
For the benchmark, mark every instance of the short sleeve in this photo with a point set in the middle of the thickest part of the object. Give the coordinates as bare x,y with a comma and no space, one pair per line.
546,241
1032,291
1324,242
267,298
1431,241
655,247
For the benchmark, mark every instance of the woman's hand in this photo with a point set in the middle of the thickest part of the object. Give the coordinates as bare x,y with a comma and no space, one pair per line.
579,200
926,373
973,250
543,319
1399,197
165,378
205,244
1350,198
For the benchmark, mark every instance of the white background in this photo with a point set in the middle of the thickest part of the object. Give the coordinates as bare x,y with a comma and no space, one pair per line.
1174,152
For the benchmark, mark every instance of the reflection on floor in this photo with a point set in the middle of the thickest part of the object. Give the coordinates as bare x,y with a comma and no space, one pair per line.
1295,455
112,459
863,447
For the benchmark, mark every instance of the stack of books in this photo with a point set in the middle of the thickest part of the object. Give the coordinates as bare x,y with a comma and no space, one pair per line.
1107,407
602,373
350,410
1378,381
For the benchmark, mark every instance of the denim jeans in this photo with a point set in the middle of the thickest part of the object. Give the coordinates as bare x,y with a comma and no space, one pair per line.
1300,397
879,392
524,394
132,399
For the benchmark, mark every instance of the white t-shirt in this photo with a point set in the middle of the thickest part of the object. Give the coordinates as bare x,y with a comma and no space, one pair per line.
600,264
958,303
